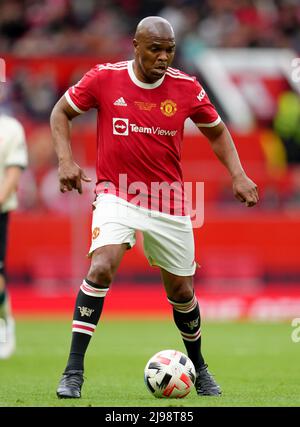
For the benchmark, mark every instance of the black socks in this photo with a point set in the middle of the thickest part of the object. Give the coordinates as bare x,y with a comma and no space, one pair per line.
188,320
88,308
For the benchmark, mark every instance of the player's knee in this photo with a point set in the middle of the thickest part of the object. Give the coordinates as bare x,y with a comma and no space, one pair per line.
181,293
101,274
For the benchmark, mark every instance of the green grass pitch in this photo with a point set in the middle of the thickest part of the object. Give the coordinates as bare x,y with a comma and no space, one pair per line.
256,364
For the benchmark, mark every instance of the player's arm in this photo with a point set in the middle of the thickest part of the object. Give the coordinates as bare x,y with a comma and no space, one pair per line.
70,174
244,189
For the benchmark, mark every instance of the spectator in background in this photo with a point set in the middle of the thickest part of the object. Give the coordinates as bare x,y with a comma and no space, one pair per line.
51,27
286,124
13,159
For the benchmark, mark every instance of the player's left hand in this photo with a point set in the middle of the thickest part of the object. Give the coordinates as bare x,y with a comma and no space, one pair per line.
245,190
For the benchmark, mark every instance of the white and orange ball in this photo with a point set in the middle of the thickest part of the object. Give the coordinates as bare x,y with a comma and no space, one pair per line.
169,374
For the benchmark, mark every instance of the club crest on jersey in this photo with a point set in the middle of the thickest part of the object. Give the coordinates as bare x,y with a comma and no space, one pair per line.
168,107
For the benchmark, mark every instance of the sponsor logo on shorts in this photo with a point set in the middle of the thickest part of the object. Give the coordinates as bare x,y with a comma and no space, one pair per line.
95,233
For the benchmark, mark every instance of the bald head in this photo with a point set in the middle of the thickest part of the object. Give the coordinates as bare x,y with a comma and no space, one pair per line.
154,26
154,48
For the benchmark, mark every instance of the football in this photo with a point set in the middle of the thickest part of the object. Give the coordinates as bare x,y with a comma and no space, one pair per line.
169,374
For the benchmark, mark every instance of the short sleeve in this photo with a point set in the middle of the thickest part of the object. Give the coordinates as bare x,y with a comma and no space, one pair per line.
203,112
83,95
17,151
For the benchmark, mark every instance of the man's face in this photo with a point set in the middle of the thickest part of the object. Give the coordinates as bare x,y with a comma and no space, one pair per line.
153,55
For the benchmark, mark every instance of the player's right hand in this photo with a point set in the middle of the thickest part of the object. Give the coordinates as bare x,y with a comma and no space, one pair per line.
70,177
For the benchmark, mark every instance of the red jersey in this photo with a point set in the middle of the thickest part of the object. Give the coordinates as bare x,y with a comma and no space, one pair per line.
140,130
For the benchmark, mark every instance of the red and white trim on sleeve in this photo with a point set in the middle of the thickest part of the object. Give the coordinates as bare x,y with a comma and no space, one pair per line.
72,104
184,307
209,125
93,292
83,327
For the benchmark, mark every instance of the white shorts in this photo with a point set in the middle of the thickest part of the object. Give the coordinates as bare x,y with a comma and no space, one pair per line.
168,239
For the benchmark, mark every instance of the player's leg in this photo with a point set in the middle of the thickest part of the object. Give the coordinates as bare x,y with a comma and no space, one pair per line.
186,314
90,300
7,329
169,244
111,237
87,312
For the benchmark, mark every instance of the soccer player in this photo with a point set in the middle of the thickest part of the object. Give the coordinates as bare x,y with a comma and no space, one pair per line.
13,159
142,105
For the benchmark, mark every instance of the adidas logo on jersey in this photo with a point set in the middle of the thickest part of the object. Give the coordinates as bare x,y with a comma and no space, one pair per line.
120,102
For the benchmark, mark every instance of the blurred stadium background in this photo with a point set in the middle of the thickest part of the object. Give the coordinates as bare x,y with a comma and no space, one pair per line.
246,54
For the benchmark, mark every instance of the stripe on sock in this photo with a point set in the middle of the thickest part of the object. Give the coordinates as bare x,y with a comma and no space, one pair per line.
93,292
191,337
184,307
83,327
